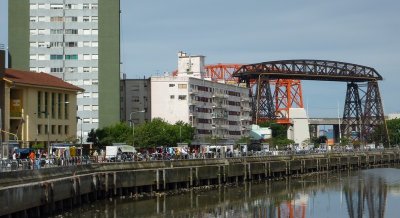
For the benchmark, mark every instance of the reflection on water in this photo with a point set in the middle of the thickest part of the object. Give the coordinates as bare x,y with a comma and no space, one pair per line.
367,193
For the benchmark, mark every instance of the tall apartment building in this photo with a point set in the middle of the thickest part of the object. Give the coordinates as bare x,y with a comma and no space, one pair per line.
76,40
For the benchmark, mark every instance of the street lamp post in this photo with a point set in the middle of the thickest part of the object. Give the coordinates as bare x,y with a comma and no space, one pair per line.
133,125
79,118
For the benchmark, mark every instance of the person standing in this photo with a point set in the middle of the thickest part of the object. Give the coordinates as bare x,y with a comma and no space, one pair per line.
32,159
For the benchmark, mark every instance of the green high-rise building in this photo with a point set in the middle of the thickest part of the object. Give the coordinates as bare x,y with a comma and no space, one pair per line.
76,40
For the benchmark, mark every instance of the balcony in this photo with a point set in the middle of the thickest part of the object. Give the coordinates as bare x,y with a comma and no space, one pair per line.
219,95
219,116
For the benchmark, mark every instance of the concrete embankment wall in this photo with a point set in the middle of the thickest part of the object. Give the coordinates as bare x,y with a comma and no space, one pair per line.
39,192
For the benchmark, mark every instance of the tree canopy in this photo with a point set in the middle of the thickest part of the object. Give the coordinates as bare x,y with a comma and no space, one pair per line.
150,134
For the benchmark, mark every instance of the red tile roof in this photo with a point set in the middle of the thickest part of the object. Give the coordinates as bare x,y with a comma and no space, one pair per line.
38,79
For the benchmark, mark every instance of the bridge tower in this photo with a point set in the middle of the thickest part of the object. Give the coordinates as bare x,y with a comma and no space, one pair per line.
352,112
373,117
288,94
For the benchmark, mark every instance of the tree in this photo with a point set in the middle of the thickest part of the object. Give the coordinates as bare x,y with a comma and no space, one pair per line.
344,141
92,137
160,133
393,127
120,133
279,134
244,139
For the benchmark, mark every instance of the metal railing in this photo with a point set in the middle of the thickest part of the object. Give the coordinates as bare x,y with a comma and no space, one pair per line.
40,163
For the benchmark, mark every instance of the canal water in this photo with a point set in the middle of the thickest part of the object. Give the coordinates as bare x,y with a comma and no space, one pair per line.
363,193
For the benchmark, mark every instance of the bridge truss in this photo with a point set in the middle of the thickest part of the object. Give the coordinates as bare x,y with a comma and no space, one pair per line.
362,114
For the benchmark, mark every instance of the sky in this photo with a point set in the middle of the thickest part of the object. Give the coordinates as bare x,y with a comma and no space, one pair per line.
365,32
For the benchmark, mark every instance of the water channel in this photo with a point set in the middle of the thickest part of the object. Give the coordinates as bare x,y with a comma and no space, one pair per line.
363,193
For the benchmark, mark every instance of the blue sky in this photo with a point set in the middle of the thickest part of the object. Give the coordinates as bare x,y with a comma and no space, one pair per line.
365,32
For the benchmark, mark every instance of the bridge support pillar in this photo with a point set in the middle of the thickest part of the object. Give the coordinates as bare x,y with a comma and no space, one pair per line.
352,112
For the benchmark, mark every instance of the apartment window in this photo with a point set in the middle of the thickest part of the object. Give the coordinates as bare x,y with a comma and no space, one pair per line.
42,57
71,57
182,86
42,19
71,19
60,129
85,6
95,81
56,44
33,57
94,6
171,85
41,6
56,31
95,107
86,69
87,107
53,129
86,120
71,6
95,44
86,44
95,19
172,96
33,6
95,120
86,32
33,32
95,94
71,69
95,57
95,69
66,130
56,70
41,69
39,105
56,57
42,32
33,44
86,95
32,69
71,44
53,105
87,82
56,6
39,129
86,19
182,97
95,32
41,44
66,102
33,19
46,104
56,19
59,106
86,57
71,31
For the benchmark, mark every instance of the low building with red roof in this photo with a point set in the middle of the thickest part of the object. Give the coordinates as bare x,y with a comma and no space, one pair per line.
39,108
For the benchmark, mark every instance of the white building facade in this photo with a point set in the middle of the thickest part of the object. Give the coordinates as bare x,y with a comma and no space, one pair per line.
215,110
